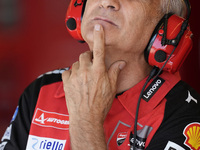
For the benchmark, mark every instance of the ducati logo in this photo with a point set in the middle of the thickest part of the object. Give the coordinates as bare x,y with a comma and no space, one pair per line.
121,138
192,134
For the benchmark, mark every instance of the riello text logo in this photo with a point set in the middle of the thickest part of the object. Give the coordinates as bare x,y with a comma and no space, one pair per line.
51,119
44,143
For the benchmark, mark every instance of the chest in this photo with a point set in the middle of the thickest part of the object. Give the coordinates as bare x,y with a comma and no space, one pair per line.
50,125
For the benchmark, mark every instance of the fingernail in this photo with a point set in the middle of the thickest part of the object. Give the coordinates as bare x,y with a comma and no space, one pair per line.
122,65
97,27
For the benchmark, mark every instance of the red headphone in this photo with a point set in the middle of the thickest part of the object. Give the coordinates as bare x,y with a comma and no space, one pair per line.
170,43
168,47
73,18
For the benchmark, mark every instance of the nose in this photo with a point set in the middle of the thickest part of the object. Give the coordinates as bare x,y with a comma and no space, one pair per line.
109,4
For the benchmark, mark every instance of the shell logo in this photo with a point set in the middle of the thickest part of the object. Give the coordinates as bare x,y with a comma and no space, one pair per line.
192,134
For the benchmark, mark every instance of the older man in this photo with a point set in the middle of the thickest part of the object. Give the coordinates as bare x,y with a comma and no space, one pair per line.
97,108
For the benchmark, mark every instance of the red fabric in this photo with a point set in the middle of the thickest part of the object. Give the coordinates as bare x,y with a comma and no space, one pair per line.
119,121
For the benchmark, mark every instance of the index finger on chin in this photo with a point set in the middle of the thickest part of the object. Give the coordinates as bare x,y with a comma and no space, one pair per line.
98,45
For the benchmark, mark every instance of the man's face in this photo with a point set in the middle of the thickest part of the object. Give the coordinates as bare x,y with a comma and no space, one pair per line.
128,24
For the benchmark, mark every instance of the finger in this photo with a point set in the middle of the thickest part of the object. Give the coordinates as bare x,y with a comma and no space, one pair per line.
65,75
75,66
98,46
85,59
114,71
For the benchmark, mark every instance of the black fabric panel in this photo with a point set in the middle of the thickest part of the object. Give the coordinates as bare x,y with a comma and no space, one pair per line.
178,114
27,103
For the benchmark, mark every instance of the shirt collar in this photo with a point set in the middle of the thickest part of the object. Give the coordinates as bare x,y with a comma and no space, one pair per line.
129,98
60,91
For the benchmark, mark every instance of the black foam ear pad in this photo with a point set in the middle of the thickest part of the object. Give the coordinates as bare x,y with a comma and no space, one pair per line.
160,56
71,23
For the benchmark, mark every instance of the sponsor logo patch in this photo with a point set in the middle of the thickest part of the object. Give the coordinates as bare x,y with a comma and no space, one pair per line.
43,143
7,133
121,138
152,88
192,134
140,138
2,145
121,127
191,98
173,146
51,119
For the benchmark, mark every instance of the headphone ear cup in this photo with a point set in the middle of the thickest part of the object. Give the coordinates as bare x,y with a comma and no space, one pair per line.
156,53
73,18
158,30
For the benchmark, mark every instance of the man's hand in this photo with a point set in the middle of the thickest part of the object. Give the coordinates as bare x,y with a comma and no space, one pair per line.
89,91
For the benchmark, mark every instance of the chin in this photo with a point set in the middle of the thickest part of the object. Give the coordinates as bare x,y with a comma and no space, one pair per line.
89,40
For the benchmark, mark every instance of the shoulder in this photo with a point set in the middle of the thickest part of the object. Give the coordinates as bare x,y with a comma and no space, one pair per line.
182,89
45,79
182,108
30,95
182,113
183,98
16,134
51,76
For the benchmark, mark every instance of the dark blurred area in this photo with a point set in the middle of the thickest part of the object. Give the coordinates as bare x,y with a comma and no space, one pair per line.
34,40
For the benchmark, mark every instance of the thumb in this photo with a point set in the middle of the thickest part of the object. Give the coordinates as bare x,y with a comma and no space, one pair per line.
114,71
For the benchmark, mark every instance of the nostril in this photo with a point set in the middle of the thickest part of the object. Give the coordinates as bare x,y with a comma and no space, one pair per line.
109,4
112,7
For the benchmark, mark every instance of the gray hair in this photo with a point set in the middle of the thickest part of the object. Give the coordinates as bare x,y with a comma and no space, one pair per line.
175,6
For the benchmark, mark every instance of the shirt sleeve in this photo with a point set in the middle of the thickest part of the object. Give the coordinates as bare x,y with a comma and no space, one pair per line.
16,134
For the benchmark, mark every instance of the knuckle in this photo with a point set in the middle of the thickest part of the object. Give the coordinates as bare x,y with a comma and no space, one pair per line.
84,55
84,72
66,75
99,73
83,76
101,69
75,64
63,75
98,53
81,56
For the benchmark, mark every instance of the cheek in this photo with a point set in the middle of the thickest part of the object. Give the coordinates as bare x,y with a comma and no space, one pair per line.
87,26
136,36
86,30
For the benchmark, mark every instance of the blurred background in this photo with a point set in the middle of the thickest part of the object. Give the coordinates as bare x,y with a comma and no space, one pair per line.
34,40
